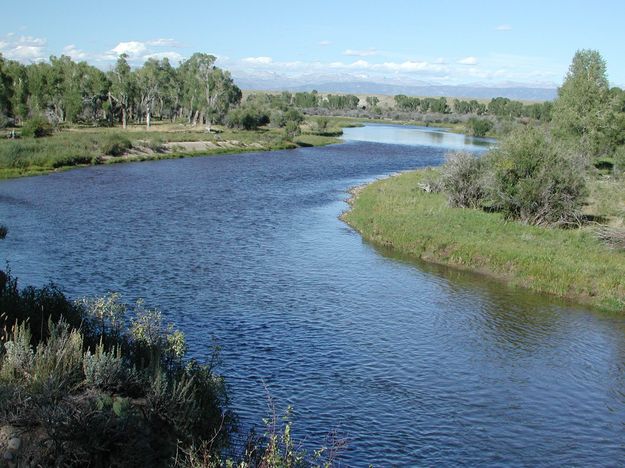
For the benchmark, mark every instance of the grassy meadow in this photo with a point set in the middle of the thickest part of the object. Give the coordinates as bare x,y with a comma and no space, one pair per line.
395,212
76,146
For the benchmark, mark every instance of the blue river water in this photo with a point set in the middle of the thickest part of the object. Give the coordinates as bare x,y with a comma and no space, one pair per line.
412,364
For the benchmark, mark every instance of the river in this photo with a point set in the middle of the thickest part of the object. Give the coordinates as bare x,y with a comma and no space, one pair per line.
413,364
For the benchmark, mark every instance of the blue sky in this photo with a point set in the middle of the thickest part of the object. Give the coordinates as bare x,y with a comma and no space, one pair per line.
443,42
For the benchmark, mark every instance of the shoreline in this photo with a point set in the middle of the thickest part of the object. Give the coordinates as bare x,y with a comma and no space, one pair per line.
179,150
571,265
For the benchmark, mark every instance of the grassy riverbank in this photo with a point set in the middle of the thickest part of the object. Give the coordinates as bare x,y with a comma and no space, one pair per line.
573,264
76,147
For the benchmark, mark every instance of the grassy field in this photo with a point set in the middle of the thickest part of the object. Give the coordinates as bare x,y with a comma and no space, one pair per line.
573,264
74,147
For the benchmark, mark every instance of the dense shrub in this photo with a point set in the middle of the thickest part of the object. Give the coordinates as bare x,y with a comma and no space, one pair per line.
247,118
479,127
535,181
462,180
72,160
619,160
115,145
37,127
103,392
291,130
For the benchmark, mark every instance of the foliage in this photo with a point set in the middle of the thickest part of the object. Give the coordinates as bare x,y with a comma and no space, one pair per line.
582,109
619,160
247,117
479,127
115,145
37,127
462,179
291,130
101,393
533,181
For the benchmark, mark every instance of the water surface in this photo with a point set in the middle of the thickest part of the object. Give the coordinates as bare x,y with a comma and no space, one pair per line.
414,364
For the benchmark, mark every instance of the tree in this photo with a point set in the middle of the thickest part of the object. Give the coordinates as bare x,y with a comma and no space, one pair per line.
208,91
6,91
149,85
372,101
581,111
122,87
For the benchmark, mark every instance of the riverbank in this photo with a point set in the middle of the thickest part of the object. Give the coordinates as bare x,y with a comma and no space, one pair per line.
79,147
572,264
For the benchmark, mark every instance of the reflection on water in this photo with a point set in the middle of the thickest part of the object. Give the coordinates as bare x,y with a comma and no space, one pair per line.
416,364
411,135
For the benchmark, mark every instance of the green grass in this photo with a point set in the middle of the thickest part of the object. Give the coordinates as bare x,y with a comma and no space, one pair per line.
75,147
396,213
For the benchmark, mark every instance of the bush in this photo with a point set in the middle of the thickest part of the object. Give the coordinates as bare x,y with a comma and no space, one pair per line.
535,182
277,118
619,160
479,127
156,144
37,127
291,130
462,180
115,145
73,160
130,400
247,118
322,124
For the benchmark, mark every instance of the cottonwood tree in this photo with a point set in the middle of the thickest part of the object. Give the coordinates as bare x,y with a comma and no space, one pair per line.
148,84
122,89
581,111
208,91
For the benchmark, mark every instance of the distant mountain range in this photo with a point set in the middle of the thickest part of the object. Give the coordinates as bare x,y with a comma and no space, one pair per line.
476,90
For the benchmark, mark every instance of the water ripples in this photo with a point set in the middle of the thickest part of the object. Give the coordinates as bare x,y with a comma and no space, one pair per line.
414,364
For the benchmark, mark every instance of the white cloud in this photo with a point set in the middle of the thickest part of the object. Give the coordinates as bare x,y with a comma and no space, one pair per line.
75,53
171,56
258,60
23,48
360,53
410,66
504,27
325,43
163,43
140,51
133,49
468,61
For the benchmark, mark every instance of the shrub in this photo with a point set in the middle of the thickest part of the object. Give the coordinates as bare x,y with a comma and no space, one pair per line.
291,130
115,145
479,127
462,180
132,395
277,118
72,160
156,144
533,180
619,160
37,127
247,118
322,124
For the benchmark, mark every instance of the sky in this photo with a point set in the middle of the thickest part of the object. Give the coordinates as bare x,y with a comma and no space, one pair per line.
401,42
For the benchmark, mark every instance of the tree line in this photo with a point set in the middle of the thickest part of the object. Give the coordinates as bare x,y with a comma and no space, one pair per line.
65,91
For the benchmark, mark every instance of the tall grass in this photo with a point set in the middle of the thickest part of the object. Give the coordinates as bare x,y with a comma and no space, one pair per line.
84,146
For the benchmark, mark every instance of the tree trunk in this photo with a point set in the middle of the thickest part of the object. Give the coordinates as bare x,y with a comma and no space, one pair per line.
124,117
147,118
